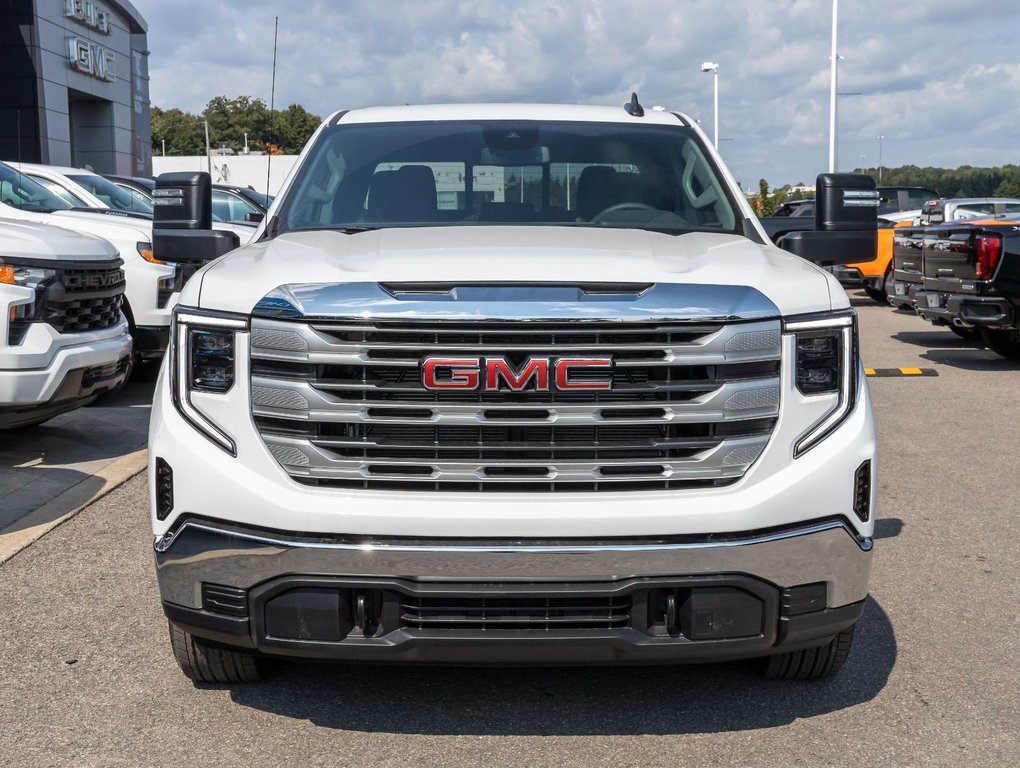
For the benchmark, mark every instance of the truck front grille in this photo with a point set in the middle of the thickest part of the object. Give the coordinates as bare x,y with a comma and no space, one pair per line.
342,404
85,300
521,612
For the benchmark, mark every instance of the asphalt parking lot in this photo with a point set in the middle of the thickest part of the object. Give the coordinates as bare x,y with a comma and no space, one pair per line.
89,680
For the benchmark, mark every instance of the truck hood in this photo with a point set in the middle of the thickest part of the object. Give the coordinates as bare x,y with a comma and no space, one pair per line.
108,225
39,242
239,280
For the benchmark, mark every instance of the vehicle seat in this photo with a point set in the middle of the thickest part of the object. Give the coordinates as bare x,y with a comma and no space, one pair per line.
596,190
412,195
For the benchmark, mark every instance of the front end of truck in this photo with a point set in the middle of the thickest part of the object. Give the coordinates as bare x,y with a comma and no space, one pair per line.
63,338
513,444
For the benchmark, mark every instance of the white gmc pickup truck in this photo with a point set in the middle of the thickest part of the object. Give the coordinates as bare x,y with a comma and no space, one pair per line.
504,384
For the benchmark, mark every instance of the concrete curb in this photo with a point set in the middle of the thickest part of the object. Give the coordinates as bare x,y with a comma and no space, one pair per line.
59,510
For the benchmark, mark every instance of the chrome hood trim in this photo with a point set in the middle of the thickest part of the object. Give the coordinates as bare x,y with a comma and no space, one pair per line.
475,302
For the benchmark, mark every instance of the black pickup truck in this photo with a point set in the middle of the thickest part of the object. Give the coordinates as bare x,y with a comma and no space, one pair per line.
965,276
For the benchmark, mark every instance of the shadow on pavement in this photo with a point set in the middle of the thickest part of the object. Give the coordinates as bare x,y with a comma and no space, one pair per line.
569,701
888,528
39,463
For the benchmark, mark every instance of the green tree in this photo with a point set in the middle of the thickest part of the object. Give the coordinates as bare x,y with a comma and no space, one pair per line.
182,133
231,119
765,205
292,127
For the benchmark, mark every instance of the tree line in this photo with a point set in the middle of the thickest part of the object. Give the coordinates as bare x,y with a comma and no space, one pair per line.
278,131
965,181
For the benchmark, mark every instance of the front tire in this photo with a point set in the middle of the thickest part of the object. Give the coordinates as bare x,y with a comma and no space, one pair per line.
812,663
1005,342
209,664
876,292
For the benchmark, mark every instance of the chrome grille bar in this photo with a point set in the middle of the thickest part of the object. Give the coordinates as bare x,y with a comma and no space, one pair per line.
342,403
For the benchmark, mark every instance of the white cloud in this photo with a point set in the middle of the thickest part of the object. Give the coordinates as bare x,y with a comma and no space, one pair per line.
936,80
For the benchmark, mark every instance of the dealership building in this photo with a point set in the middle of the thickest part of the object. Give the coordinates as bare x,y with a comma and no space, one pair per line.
75,85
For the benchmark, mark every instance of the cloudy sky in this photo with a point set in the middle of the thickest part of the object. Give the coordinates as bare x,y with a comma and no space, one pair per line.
939,79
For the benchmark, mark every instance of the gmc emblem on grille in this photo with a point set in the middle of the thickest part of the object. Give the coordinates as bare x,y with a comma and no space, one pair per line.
492,374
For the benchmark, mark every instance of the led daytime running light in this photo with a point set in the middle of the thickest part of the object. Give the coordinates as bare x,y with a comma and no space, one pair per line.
841,326
188,326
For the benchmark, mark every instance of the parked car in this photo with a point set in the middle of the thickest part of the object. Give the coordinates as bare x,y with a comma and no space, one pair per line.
971,280
965,208
63,338
134,184
872,275
422,424
150,287
96,190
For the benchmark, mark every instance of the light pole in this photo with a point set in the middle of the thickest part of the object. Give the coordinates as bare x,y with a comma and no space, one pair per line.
713,67
833,76
880,137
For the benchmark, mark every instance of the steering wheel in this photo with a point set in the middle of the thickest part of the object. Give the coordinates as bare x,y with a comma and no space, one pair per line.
629,206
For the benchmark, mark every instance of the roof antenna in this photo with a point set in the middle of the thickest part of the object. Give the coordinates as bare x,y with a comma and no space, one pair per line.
634,109
272,104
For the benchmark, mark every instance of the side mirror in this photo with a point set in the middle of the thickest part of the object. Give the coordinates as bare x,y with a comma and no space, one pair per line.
254,218
182,220
846,222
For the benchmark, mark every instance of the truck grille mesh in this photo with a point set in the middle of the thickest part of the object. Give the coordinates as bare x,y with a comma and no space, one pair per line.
342,404
85,300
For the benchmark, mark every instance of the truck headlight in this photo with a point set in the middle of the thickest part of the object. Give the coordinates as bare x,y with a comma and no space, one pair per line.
20,314
826,365
202,358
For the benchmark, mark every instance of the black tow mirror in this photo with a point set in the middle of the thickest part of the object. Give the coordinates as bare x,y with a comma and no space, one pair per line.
846,222
254,218
182,220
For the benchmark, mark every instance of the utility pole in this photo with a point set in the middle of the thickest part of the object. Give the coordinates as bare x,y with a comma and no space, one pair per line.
833,75
880,158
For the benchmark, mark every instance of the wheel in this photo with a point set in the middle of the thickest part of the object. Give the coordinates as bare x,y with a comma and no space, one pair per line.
1005,342
970,334
209,664
875,294
813,663
877,291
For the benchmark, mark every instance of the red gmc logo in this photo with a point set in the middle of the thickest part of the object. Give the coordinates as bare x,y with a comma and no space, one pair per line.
492,374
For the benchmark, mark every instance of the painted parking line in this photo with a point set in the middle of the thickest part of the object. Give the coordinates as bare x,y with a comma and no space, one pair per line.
885,372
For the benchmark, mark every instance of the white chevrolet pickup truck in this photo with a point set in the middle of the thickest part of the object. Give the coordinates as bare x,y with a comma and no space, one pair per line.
63,338
516,384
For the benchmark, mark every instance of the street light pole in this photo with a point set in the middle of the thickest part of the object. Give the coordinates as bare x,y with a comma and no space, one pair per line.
713,67
880,158
833,75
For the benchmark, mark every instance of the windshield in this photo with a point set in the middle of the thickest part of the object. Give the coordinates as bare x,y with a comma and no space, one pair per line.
62,192
20,191
114,197
523,173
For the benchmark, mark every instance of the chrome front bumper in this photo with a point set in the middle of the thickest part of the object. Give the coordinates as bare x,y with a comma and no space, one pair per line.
308,596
